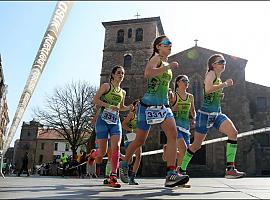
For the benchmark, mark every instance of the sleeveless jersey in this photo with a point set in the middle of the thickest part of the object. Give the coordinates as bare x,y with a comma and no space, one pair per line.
182,115
212,101
112,97
157,88
132,123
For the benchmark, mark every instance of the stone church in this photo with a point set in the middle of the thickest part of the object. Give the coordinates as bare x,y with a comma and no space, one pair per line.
129,43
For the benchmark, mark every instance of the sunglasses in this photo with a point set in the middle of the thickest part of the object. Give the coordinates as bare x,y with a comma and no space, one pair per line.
166,42
184,80
220,62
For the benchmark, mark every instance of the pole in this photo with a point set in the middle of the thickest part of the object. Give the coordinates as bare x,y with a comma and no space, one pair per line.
50,37
1,163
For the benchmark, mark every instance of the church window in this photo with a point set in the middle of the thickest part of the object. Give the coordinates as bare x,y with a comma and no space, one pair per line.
120,36
127,61
261,104
139,34
129,33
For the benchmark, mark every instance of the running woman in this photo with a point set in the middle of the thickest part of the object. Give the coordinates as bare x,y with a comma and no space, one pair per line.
154,108
110,97
108,163
210,115
129,125
182,104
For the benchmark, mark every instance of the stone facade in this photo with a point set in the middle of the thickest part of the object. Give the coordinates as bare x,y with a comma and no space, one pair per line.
27,142
43,145
115,53
246,104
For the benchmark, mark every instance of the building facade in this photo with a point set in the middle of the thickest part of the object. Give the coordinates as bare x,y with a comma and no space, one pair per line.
4,117
129,43
43,145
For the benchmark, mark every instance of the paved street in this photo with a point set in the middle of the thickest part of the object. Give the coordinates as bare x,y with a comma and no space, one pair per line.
42,187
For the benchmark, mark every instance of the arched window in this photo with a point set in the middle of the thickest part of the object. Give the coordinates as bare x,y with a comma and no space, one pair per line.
120,36
139,34
127,61
129,33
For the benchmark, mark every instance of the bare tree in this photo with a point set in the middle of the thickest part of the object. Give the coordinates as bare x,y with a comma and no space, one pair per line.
69,111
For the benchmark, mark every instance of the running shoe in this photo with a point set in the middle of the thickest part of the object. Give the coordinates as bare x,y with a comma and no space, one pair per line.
132,181
112,182
233,173
176,179
123,171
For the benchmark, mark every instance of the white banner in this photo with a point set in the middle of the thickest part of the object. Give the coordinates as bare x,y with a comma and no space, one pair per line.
53,30
262,130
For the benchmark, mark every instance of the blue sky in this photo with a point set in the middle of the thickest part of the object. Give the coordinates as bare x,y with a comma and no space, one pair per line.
236,28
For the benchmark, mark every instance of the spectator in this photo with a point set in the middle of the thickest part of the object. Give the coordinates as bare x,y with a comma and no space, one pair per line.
24,164
64,162
82,167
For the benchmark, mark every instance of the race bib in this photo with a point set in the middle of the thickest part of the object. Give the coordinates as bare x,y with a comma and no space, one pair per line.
130,136
211,120
109,116
155,114
179,128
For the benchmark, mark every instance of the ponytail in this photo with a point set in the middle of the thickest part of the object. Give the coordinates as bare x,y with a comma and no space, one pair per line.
156,42
211,60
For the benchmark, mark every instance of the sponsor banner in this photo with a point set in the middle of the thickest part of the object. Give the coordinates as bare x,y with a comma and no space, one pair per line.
50,37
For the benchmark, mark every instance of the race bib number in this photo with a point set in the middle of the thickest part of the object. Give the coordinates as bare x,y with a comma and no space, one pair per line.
155,114
130,136
211,120
109,116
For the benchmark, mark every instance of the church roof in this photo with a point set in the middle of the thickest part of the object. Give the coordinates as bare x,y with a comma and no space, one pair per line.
203,53
133,21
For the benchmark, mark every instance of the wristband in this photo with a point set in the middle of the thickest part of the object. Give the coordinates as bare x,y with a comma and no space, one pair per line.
226,84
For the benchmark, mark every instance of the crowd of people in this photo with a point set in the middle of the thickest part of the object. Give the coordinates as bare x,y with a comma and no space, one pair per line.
173,109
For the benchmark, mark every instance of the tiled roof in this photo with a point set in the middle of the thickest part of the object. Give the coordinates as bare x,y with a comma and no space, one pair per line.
49,134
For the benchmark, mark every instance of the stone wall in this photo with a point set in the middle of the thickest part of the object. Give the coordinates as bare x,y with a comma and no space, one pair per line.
238,102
